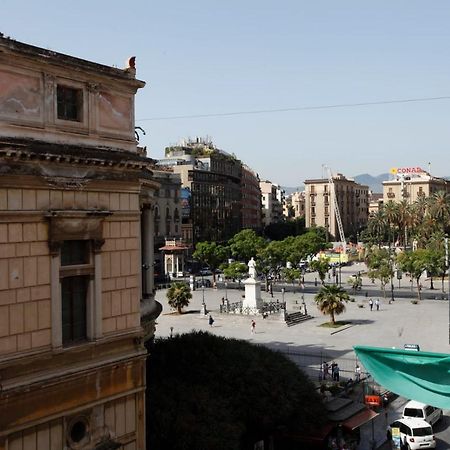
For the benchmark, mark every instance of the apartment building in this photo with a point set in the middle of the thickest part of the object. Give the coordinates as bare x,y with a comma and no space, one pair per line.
251,199
272,196
76,228
213,179
294,205
411,183
352,200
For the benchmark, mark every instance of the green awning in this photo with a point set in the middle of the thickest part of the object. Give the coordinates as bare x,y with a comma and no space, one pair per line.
416,375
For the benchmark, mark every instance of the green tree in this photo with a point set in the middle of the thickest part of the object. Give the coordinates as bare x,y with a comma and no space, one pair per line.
414,263
236,271
208,392
211,254
290,275
380,266
304,247
331,300
245,245
179,295
355,281
321,266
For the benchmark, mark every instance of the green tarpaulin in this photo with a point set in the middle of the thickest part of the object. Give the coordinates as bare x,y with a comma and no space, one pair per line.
416,375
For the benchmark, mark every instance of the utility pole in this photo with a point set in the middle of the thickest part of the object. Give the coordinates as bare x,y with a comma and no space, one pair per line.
448,287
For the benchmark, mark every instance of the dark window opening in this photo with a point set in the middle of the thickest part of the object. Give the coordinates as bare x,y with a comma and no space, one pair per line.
69,103
74,295
74,253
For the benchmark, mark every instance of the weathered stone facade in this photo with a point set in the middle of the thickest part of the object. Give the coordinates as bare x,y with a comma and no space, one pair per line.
76,221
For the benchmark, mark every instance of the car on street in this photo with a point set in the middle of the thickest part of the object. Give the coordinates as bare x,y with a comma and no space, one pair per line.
422,411
414,433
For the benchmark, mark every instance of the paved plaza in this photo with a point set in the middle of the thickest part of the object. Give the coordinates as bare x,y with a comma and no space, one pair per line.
395,324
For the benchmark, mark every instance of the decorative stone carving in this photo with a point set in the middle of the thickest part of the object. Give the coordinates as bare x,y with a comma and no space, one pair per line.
50,83
67,183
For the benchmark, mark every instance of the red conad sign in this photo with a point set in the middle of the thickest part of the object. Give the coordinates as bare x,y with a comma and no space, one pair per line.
409,170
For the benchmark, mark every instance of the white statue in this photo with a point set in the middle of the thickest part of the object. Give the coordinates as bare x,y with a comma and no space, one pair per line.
252,268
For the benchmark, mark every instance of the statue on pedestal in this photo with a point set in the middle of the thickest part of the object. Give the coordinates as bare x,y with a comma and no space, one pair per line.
252,268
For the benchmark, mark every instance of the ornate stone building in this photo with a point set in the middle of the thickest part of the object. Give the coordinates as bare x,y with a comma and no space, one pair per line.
76,229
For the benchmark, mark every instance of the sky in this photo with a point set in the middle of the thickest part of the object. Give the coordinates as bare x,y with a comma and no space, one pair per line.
209,58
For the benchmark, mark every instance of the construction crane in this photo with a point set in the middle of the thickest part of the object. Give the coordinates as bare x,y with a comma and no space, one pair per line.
337,213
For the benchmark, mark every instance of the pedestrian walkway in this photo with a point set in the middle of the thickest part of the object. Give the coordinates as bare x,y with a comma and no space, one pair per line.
388,327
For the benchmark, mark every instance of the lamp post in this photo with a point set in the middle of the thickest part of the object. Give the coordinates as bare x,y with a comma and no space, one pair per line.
204,312
226,290
448,287
282,294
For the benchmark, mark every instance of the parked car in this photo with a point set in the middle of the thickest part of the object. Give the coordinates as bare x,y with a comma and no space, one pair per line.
201,283
414,433
422,411
205,271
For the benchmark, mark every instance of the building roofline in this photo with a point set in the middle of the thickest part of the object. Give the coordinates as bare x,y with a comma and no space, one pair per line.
50,56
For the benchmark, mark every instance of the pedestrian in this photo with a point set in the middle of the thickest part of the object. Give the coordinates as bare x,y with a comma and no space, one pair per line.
377,304
371,304
357,373
336,373
333,367
325,369
223,300
253,326
210,320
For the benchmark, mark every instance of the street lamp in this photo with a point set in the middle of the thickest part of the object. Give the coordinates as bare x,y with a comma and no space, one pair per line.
282,294
226,290
204,312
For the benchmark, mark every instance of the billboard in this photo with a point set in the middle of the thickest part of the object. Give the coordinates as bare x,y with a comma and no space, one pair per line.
185,203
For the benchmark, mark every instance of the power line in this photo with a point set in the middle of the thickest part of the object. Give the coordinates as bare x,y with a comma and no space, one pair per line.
299,108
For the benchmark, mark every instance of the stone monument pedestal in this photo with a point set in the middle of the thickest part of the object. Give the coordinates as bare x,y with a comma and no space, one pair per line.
252,303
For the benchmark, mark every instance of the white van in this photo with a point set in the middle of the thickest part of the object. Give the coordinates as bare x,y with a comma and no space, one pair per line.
422,411
415,434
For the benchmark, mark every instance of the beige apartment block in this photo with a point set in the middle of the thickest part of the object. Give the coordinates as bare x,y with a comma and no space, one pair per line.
352,201
411,183
76,228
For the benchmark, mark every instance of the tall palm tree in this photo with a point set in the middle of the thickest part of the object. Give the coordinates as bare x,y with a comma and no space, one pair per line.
378,226
440,208
391,214
331,300
178,295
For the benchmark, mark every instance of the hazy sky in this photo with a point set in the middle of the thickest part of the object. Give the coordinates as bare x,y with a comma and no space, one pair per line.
202,57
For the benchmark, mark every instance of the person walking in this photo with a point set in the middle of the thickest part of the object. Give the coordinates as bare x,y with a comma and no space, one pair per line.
253,326
210,320
371,304
377,304
357,373
325,369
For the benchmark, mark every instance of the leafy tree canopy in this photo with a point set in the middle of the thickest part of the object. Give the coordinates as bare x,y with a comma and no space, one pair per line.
246,244
207,392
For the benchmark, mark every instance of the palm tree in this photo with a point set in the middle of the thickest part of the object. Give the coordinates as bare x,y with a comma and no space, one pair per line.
330,300
178,295
440,207
391,214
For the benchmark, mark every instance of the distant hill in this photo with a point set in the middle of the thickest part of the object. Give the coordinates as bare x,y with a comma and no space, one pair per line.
291,190
374,183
